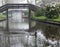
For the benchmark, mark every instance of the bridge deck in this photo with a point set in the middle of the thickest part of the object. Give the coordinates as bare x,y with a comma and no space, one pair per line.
12,6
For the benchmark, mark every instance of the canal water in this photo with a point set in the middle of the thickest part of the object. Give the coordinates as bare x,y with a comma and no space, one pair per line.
46,35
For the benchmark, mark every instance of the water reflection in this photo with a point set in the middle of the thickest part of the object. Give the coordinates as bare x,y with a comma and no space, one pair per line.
47,35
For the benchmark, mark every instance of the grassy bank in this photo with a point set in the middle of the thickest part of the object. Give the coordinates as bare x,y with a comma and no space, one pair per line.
45,18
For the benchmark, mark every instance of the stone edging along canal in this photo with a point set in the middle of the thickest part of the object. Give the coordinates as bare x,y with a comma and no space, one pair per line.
47,21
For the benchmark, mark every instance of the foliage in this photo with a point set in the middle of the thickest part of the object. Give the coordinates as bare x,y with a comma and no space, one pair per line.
39,12
58,7
51,12
26,12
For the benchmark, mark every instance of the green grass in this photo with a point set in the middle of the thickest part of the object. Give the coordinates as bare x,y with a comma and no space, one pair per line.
45,18
57,19
40,17
2,16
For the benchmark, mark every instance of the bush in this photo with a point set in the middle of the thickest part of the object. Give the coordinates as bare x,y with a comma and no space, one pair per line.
39,12
58,7
51,12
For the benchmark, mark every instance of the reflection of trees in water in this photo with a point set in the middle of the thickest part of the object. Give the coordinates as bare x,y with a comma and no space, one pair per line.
51,31
39,26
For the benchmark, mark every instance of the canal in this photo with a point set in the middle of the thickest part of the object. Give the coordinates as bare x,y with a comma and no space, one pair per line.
41,34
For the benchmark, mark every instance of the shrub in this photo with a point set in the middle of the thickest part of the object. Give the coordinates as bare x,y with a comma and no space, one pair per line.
39,12
51,12
58,7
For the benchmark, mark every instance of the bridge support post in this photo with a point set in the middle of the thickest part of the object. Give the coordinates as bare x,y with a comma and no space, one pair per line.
29,19
7,22
7,29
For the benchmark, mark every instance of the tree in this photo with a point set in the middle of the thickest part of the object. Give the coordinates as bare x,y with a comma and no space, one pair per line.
58,7
51,12
39,12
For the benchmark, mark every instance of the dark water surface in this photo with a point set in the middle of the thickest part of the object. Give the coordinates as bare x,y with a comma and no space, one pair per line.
46,35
